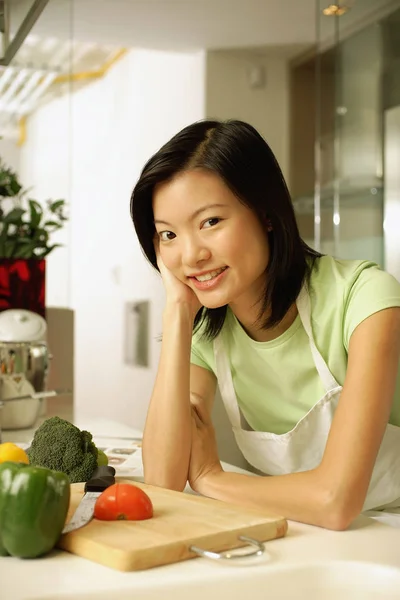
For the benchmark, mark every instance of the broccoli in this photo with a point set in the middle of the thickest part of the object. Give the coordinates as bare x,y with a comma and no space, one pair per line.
59,445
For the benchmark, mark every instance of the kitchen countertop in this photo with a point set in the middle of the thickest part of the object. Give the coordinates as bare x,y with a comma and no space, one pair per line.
64,576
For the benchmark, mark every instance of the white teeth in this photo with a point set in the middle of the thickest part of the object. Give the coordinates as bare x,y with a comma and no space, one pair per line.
210,275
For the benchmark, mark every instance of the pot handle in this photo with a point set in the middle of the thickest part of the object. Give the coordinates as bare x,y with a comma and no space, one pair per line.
40,395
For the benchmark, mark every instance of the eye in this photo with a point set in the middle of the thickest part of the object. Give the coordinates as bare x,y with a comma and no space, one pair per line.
211,222
166,236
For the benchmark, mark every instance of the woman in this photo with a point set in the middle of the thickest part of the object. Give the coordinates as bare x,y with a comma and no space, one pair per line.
304,348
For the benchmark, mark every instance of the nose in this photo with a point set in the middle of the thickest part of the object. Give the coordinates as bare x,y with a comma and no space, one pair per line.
194,251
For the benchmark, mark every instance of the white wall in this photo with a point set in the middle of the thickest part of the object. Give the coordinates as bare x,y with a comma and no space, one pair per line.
10,154
230,95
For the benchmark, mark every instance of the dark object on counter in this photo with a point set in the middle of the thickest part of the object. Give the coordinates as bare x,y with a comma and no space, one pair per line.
61,446
33,507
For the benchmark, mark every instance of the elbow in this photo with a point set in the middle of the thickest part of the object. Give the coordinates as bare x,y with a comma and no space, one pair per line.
161,474
169,483
338,520
338,506
339,512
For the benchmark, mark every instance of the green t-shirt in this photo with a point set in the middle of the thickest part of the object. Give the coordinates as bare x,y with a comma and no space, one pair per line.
276,382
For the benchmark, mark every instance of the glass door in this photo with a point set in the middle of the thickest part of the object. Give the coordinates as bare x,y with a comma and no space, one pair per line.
349,146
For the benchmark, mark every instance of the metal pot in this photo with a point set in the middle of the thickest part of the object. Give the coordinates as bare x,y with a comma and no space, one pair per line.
29,358
31,361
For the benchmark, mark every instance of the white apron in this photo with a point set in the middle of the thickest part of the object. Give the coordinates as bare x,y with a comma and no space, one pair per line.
302,448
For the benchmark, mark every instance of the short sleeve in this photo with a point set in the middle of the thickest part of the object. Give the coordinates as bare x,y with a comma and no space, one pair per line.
372,290
202,353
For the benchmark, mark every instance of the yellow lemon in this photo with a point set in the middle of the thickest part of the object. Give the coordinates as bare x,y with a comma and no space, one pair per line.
12,452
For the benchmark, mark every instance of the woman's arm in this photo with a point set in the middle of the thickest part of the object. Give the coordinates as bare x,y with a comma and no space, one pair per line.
333,494
167,433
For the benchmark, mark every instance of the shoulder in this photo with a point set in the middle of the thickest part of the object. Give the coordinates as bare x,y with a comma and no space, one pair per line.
329,271
338,277
352,290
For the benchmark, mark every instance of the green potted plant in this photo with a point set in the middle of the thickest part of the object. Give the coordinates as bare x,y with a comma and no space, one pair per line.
26,228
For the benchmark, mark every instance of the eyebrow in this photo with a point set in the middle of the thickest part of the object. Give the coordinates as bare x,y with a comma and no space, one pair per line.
194,214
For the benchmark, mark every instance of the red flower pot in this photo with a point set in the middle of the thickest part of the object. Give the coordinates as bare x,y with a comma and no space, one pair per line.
23,284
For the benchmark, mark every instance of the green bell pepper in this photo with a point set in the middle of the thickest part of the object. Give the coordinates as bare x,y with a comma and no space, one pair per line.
33,508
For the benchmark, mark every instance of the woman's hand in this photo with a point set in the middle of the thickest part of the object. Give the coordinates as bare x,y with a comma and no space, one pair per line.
204,453
177,292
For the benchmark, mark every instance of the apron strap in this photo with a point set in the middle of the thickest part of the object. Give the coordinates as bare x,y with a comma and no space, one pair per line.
304,308
225,382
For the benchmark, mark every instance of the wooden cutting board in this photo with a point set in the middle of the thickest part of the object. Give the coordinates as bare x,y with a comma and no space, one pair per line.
180,520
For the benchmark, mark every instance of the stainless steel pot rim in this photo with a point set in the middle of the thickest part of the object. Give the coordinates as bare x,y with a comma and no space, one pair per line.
23,344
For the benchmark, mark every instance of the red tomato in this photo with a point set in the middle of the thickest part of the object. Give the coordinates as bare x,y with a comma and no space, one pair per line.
123,501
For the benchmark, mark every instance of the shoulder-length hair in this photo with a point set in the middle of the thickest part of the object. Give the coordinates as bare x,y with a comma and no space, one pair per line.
238,154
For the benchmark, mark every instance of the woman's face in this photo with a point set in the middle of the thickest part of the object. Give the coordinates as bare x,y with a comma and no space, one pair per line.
210,240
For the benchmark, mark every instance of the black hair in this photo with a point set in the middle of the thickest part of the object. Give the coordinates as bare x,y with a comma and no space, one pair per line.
238,154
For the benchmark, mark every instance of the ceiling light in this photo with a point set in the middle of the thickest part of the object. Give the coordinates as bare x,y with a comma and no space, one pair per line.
335,10
5,77
34,79
45,82
14,86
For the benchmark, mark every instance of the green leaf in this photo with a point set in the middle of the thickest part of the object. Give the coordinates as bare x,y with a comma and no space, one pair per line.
37,205
52,224
4,231
9,247
9,184
15,187
14,216
56,205
41,236
36,213
25,251
47,250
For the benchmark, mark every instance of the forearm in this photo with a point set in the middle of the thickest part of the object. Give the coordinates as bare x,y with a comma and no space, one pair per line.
167,434
299,497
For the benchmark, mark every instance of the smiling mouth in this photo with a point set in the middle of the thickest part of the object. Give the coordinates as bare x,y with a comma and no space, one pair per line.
210,275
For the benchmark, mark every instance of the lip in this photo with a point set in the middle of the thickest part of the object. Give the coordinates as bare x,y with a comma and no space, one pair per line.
211,283
200,273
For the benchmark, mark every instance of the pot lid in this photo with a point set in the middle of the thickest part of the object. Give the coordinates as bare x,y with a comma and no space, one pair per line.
18,325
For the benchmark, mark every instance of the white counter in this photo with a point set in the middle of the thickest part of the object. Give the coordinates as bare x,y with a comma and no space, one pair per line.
63,576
